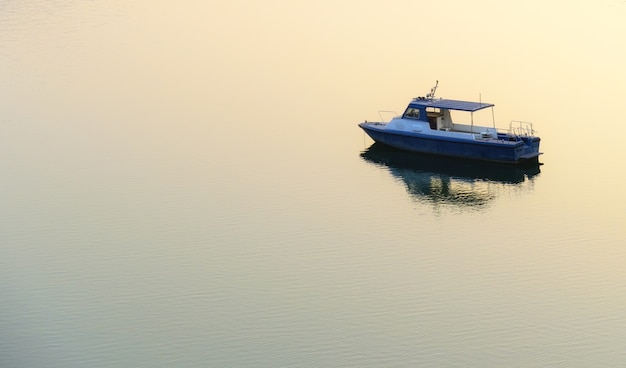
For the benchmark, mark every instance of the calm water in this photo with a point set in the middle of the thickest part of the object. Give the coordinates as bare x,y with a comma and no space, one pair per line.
186,186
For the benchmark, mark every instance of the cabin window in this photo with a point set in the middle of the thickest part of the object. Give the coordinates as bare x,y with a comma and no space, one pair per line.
412,113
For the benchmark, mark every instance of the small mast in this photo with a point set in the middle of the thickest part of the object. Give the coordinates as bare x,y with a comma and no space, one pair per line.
431,95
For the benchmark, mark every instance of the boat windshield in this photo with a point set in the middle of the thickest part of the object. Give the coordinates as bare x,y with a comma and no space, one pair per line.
412,113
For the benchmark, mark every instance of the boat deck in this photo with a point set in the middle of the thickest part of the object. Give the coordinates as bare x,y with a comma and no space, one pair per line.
502,138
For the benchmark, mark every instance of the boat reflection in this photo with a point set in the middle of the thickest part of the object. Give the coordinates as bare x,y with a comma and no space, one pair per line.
440,180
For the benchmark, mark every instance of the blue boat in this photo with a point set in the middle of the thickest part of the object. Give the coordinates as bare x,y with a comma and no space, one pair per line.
426,126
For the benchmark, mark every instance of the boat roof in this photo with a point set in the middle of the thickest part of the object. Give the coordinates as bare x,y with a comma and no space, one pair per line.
450,104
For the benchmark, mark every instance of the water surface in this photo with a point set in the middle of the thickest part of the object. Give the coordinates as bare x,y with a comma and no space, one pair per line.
186,185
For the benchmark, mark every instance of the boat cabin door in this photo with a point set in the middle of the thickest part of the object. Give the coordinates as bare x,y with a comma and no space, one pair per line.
434,117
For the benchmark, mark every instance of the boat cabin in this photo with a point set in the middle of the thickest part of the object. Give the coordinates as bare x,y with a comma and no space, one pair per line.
437,112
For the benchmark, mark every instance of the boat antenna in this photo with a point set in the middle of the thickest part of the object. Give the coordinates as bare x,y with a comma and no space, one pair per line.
431,95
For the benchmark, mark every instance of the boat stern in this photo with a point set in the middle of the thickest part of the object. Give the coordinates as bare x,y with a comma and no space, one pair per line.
530,152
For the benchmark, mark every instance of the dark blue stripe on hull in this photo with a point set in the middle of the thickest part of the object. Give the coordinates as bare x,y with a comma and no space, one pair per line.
485,151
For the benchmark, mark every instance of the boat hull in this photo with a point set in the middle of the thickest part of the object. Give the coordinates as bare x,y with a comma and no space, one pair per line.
524,150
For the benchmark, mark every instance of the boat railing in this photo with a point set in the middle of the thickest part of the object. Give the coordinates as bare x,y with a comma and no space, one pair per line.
381,112
521,128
